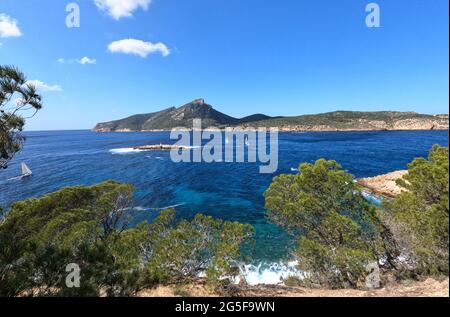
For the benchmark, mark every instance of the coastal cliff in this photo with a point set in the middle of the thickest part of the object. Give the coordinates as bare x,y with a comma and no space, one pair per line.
183,116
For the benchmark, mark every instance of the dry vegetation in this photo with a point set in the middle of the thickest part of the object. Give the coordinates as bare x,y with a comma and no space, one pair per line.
427,288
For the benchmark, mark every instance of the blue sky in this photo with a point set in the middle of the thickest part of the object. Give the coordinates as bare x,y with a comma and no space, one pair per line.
286,57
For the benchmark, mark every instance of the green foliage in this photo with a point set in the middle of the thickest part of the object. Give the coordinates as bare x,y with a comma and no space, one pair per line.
72,225
419,217
192,247
339,232
89,226
293,281
16,98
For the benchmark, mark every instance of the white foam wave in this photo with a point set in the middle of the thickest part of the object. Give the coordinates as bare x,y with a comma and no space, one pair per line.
264,273
269,273
372,198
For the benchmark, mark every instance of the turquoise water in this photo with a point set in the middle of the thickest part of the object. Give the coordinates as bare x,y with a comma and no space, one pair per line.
231,191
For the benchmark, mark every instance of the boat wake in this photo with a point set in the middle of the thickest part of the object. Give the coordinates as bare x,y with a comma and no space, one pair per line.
17,178
167,207
140,208
124,151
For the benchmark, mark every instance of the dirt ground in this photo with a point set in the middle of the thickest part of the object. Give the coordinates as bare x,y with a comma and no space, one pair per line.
427,288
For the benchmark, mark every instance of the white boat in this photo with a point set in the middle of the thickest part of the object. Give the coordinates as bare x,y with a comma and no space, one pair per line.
25,170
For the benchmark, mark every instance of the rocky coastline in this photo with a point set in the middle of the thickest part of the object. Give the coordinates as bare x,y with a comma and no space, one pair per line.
383,185
294,129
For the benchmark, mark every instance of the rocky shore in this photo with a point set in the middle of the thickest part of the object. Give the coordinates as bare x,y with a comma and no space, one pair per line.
383,185
424,126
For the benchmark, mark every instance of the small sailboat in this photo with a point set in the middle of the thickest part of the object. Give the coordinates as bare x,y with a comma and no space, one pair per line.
26,172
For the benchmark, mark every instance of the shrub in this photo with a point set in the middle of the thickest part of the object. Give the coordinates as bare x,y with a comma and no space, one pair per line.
89,226
189,248
338,230
419,217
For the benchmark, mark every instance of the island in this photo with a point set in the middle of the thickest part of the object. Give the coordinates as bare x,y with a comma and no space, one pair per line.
339,121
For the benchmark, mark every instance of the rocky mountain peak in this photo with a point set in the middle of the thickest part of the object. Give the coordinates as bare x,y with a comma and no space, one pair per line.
199,102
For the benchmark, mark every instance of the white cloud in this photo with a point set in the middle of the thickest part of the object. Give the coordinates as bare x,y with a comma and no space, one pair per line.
43,86
8,27
138,47
121,8
86,60
83,61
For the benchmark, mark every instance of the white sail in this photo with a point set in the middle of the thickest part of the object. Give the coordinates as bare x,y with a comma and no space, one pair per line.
25,170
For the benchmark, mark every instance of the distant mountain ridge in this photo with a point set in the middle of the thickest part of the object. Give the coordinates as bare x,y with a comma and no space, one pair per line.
183,116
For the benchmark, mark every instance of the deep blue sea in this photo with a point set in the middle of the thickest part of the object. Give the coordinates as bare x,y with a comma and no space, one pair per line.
231,191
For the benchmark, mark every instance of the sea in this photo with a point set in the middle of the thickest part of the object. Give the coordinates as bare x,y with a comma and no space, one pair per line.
229,191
